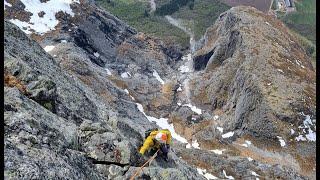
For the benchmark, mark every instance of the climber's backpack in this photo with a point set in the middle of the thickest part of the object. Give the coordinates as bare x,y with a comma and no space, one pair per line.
147,132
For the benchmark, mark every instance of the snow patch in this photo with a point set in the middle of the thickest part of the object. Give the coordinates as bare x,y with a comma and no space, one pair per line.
300,138
108,71
184,69
254,173
179,104
246,144
195,144
282,142
6,4
125,75
307,124
126,91
156,75
228,177
194,108
162,123
280,70
292,131
249,158
96,54
46,23
204,173
215,117
227,135
49,48
220,129
25,27
217,151
179,89
188,146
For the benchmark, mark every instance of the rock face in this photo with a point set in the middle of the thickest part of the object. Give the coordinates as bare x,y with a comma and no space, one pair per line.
269,78
79,98
253,70
59,126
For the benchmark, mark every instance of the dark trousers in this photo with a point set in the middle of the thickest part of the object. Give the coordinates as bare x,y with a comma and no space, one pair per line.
164,150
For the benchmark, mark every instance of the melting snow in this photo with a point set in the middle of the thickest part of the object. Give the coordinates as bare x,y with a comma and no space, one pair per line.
220,129
204,173
300,138
195,144
246,144
96,54
24,26
163,123
156,75
125,75
282,143
280,70
184,69
254,173
187,57
227,135
229,177
217,151
311,136
46,23
193,108
307,124
6,4
108,71
48,48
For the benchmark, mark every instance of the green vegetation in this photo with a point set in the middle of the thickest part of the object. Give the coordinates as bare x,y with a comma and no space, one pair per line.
173,6
307,45
136,14
204,13
303,23
303,20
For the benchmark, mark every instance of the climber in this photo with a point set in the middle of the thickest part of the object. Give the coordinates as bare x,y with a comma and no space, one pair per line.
157,139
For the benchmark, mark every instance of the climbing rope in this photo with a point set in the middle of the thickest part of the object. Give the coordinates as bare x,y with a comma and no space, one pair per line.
140,169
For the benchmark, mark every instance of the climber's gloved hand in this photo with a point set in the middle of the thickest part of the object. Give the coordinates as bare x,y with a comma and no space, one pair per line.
140,159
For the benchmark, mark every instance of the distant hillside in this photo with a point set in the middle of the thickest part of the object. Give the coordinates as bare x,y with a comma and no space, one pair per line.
303,23
138,14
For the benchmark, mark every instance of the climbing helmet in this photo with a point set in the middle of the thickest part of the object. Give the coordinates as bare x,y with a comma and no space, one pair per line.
161,137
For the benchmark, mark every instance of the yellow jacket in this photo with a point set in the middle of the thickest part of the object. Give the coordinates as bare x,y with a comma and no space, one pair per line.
149,143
